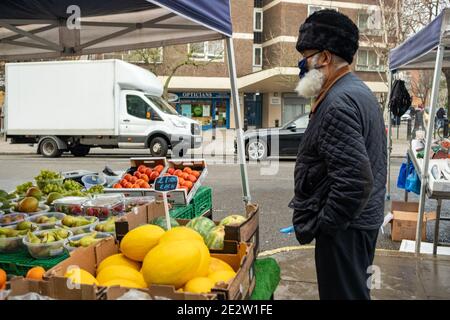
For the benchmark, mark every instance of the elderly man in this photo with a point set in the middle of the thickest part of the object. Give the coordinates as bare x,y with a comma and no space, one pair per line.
340,172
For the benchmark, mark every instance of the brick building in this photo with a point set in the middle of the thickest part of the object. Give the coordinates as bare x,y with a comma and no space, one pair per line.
264,35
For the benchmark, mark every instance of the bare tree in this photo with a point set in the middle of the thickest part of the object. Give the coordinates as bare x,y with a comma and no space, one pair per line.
420,83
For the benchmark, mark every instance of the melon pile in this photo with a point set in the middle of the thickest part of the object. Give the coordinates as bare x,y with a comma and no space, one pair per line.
150,255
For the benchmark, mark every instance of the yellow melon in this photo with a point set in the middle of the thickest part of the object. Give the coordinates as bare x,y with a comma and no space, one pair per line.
120,272
138,242
122,283
174,263
222,276
199,285
80,276
180,233
218,265
205,260
118,260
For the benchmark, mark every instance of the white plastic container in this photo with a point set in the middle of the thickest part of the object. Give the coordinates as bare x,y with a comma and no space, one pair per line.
99,235
50,225
82,229
45,250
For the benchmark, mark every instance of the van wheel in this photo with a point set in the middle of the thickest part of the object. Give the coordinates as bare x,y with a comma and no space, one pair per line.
158,147
80,150
49,148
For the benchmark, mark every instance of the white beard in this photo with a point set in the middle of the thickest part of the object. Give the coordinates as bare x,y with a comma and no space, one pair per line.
309,86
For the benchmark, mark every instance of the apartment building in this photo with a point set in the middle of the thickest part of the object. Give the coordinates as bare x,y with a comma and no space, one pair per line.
264,35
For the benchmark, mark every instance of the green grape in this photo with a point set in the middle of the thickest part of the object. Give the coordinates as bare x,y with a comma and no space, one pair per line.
71,185
21,189
47,175
96,189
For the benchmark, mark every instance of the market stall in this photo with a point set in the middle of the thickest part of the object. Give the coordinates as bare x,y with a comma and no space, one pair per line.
48,29
426,50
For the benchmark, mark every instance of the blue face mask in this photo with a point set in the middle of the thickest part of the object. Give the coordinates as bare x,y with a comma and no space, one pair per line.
303,64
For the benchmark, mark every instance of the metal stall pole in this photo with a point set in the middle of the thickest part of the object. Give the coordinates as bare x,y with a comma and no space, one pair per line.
389,138
426,161
237,120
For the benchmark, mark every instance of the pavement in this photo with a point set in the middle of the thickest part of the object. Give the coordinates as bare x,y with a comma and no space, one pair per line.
398,276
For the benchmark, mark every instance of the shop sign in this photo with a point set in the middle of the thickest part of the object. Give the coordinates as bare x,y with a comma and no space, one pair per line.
275,100
203,95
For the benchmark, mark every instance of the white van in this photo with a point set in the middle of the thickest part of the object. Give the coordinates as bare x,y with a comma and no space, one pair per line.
77,105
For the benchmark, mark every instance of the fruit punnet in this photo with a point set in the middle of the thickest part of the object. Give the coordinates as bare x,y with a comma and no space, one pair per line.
215,238
138,242
202,225
176,262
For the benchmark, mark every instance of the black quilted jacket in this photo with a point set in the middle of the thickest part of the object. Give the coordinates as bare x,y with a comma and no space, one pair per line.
340,173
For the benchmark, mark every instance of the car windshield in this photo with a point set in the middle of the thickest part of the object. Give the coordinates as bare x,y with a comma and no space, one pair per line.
300,123
162,105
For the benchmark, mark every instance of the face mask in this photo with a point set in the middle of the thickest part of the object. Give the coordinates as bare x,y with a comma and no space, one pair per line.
303,65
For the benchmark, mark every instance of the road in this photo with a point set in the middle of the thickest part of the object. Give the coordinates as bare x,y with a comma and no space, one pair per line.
271,186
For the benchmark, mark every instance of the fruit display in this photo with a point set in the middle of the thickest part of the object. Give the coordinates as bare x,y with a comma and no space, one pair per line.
107,226
78,225
138,242
161,221
85,240
48,177
12,218
186,177
202,225
46,243
70,205
233,220
104,207
47,220
215,238
11,237
131,202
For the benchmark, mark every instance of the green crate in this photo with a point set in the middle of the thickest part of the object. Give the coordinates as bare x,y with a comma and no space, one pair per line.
186,212
18,263
202,201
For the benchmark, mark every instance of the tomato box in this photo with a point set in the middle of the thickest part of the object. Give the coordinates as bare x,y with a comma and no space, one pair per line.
240,257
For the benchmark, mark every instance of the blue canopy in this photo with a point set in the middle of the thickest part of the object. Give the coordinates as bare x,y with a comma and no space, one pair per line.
31,29
419,51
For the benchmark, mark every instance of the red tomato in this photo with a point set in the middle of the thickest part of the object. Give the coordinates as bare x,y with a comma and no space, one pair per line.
148,172
171,170
155,174
185,176
145,177
117,186
178,172
159,168
192,178
195,173
187,170
127,177
188,184
133,179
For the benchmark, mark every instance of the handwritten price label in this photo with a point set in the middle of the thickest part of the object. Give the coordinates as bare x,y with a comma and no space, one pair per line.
167,183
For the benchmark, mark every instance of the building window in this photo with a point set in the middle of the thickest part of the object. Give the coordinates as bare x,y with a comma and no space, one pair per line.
208,50
368,60
257,56
312,9
258,3
258,20
362,21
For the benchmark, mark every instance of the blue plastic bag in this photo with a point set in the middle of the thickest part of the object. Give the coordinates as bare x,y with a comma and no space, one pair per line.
402,175
413,182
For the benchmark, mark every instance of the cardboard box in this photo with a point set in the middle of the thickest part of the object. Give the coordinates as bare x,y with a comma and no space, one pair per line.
404,222
242,260
55,288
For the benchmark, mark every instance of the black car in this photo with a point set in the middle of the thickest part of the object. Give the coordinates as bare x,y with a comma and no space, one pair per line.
278,142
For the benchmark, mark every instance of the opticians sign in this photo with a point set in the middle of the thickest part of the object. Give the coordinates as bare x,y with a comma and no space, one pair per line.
203,95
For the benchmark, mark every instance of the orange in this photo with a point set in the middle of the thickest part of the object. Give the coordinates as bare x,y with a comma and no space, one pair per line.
171,171
195,173
145,185
178,172
145,177
36,273
142,169
187,170
129,185
148,172
123,182
133,179
154,175
188,184
127,177
159,168
117,186
192,178
2,279
137,174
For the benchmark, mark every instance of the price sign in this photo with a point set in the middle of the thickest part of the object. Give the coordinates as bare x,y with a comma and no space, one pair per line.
163,185
167,183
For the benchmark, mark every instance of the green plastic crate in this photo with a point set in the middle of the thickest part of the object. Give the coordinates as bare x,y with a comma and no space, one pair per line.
202,201
18,263
185,212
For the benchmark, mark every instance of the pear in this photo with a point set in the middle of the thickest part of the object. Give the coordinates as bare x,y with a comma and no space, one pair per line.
74,243
42,219
62,233
33,238
68,221
48,238
35,193
88,240
52,197
109,227
28,204
24,225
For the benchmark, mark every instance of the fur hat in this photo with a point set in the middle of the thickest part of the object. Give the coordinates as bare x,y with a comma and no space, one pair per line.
329,30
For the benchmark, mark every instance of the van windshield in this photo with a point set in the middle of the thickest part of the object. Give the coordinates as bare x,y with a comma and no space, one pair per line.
162,105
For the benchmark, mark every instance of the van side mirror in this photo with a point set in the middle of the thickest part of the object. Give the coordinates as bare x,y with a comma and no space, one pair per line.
291,127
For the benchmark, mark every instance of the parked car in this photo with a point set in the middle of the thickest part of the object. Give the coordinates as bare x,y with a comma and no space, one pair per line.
275,142
406,116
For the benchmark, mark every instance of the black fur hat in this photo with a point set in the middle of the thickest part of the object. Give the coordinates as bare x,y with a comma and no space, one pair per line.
329,30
